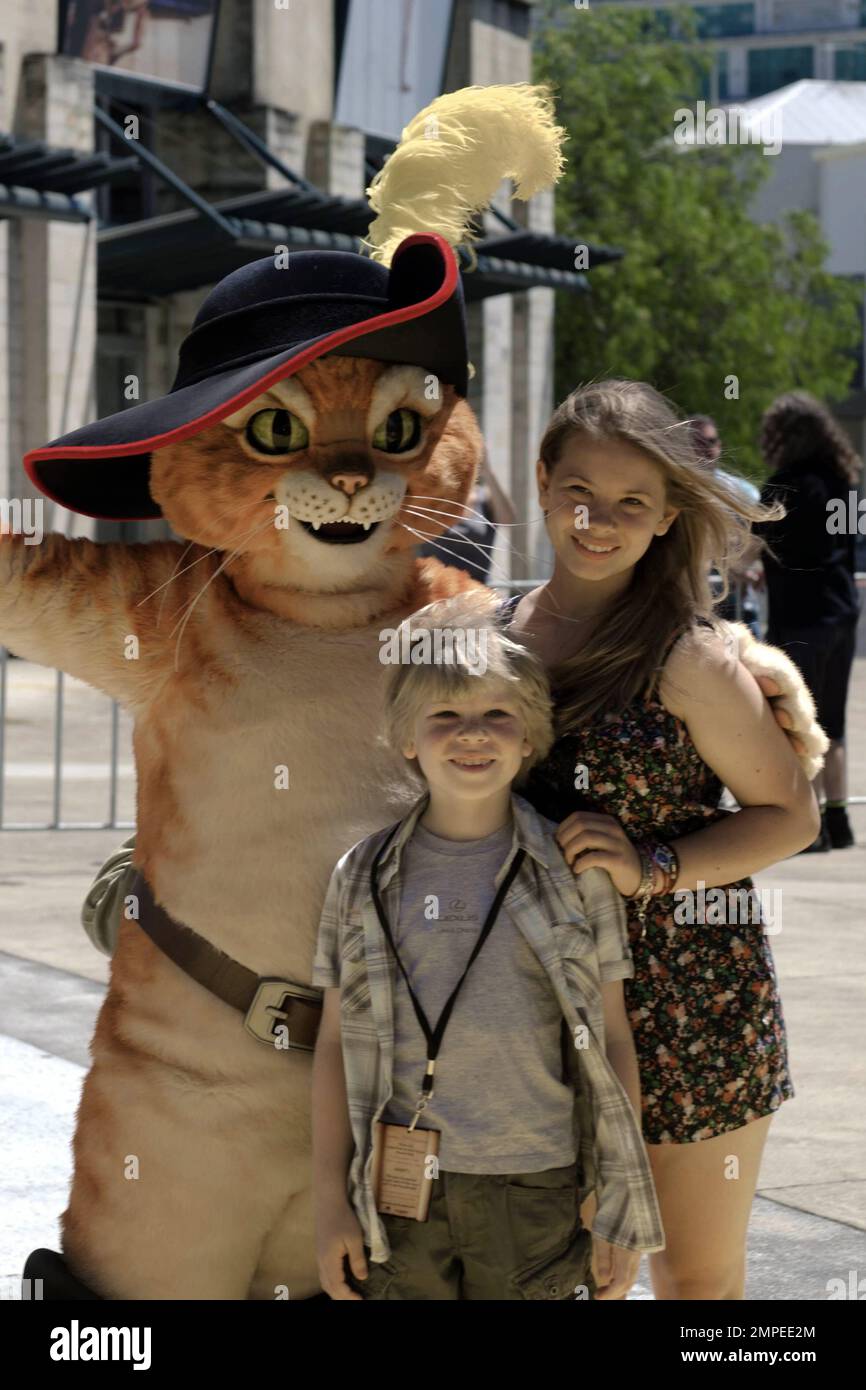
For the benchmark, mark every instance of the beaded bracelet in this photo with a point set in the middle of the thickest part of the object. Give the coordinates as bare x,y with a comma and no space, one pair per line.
653,853
641,897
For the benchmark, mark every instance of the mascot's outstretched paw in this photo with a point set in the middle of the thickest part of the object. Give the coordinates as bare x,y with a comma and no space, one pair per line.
789,696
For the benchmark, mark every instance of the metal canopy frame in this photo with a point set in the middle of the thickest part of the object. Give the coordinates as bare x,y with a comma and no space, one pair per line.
199,245
37,180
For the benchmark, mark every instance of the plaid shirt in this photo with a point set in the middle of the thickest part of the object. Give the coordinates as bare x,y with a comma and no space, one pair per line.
577,929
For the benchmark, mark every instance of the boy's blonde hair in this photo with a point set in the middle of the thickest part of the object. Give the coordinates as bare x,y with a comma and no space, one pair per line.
411,686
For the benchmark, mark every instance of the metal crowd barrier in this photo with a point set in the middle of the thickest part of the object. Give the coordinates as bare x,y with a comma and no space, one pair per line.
56,822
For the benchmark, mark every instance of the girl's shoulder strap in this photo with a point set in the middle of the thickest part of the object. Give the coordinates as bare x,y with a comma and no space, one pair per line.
507,607
651,690
681,631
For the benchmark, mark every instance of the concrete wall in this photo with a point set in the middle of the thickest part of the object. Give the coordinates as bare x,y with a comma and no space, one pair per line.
794,182
48,288
28,26
842,180
293,57
515,389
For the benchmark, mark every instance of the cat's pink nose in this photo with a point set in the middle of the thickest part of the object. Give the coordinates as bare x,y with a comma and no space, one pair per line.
349,482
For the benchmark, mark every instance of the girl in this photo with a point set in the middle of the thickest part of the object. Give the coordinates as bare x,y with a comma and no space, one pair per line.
655,715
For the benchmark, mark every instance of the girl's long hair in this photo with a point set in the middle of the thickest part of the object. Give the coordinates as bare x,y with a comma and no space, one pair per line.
670,587
797,431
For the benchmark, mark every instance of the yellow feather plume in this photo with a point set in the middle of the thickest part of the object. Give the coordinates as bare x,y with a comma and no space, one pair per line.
453,156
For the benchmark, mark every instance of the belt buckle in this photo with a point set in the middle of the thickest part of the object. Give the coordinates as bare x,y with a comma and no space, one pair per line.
266,1009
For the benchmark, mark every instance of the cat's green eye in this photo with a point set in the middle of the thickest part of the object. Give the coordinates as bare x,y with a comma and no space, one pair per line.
277,432
401,431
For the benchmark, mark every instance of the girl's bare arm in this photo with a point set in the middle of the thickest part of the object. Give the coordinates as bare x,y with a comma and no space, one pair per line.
735,733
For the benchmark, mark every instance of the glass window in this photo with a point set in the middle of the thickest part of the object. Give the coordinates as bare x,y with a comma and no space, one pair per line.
798,15
771,68
665,22
725,21
851,64
722,70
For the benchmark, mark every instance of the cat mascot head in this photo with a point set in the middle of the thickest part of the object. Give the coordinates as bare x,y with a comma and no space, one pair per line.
317,429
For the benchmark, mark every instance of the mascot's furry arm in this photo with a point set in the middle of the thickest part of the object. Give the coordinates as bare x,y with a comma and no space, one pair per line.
789,695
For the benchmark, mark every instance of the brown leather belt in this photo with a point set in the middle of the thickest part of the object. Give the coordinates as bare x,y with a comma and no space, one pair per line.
266,1002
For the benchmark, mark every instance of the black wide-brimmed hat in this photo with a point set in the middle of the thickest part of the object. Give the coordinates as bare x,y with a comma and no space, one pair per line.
260,324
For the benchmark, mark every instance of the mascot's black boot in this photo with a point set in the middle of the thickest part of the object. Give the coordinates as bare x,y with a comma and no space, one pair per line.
60,1284
58,1281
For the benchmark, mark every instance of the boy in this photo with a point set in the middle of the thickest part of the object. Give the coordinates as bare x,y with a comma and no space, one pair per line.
474,1023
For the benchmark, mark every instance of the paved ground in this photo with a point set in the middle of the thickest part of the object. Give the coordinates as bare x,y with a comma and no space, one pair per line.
809,1222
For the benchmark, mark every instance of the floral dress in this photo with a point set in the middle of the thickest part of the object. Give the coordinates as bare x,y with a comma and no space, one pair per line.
704,1005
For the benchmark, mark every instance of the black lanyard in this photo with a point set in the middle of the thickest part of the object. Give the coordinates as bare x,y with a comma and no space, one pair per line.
435,1035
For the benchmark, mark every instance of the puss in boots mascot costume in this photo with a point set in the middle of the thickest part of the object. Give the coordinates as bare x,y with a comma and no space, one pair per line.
317,425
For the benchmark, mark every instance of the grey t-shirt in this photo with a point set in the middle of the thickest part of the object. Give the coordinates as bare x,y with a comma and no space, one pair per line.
500,1101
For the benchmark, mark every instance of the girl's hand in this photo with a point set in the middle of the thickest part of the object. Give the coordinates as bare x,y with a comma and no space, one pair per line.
590,841
614,1269
339,1233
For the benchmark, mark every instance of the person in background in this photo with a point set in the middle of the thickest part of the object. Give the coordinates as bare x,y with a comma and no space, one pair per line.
468,545
746,575
813,600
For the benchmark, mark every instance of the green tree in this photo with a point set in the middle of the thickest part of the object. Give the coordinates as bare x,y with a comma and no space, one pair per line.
703,293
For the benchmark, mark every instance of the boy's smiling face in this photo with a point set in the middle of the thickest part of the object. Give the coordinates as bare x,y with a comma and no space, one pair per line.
470,745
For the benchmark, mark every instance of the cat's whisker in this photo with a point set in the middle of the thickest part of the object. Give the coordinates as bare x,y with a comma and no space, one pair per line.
164,586
488,550
456,540
183,622
464,515
435,511
452,540
175,574
428,541
470,511
244,536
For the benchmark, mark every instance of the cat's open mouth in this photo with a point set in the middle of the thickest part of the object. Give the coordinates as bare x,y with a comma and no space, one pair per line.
340,532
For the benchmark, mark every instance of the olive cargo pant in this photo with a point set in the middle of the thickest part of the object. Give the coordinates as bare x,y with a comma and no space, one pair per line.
498,1236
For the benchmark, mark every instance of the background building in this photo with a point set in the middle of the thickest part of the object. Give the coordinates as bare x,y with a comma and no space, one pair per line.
760,45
